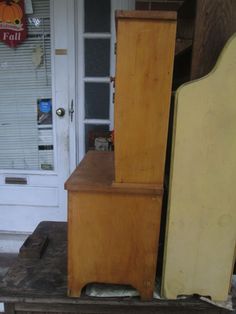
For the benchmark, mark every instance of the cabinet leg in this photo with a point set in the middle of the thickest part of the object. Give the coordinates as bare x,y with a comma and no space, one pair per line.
75,292
146,292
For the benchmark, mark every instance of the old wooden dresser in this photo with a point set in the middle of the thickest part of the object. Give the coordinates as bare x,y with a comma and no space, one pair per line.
115,200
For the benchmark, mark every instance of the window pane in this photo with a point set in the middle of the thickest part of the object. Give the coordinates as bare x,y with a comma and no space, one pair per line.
97,99
97,57
97,16
93,131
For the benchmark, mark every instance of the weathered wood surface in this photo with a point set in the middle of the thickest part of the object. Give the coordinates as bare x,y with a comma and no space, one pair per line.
33,247
30,277
41,286
111,307
215,23
201,233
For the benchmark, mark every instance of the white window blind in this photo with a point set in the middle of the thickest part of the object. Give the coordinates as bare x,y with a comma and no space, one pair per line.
23,144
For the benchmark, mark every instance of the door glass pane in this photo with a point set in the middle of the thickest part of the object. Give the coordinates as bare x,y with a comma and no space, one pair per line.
97,57
97,16
93,131
97,99
26,131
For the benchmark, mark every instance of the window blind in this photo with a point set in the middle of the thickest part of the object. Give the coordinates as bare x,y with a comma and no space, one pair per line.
22,85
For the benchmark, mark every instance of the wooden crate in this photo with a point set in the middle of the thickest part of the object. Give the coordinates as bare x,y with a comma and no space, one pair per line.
145,53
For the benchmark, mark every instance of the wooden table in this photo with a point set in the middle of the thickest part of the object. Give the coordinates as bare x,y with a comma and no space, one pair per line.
40,285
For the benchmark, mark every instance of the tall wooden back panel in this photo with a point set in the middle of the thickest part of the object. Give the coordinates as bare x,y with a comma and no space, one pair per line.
201,228
145,53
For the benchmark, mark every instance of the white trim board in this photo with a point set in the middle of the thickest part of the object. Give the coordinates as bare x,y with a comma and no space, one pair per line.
11,241
80,35
1,308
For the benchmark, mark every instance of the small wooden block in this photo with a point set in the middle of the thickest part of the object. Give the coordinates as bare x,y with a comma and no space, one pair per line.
34,246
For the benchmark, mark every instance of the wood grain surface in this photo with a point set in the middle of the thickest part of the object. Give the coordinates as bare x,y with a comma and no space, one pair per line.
96,173
113,238
145,51
201,230
215,23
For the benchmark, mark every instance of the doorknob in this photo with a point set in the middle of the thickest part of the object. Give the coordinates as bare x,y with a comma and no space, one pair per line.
60,112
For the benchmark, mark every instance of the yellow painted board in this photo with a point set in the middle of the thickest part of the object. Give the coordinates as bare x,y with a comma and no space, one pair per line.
144,66
201,222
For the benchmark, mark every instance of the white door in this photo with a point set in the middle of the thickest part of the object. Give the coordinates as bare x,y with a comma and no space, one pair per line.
95,65
36,79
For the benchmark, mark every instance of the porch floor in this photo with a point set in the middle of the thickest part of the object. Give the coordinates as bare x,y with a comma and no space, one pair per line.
6,261
40,285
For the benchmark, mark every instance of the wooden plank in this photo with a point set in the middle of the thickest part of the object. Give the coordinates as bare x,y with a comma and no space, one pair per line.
113,238
96,174
99,307
152,188
145,52
215,23
33,247
201,231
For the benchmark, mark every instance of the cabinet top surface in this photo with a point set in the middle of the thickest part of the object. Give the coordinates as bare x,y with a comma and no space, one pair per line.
147,15
97,168
96,173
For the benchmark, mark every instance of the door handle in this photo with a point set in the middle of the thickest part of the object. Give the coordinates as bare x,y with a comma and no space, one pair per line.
71,110
60,112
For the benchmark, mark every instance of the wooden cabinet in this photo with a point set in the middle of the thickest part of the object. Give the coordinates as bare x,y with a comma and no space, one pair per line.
112,231
114,208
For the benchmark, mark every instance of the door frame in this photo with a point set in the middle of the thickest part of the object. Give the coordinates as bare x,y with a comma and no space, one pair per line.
79,75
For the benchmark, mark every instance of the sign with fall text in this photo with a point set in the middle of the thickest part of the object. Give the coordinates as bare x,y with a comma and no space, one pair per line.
13,27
